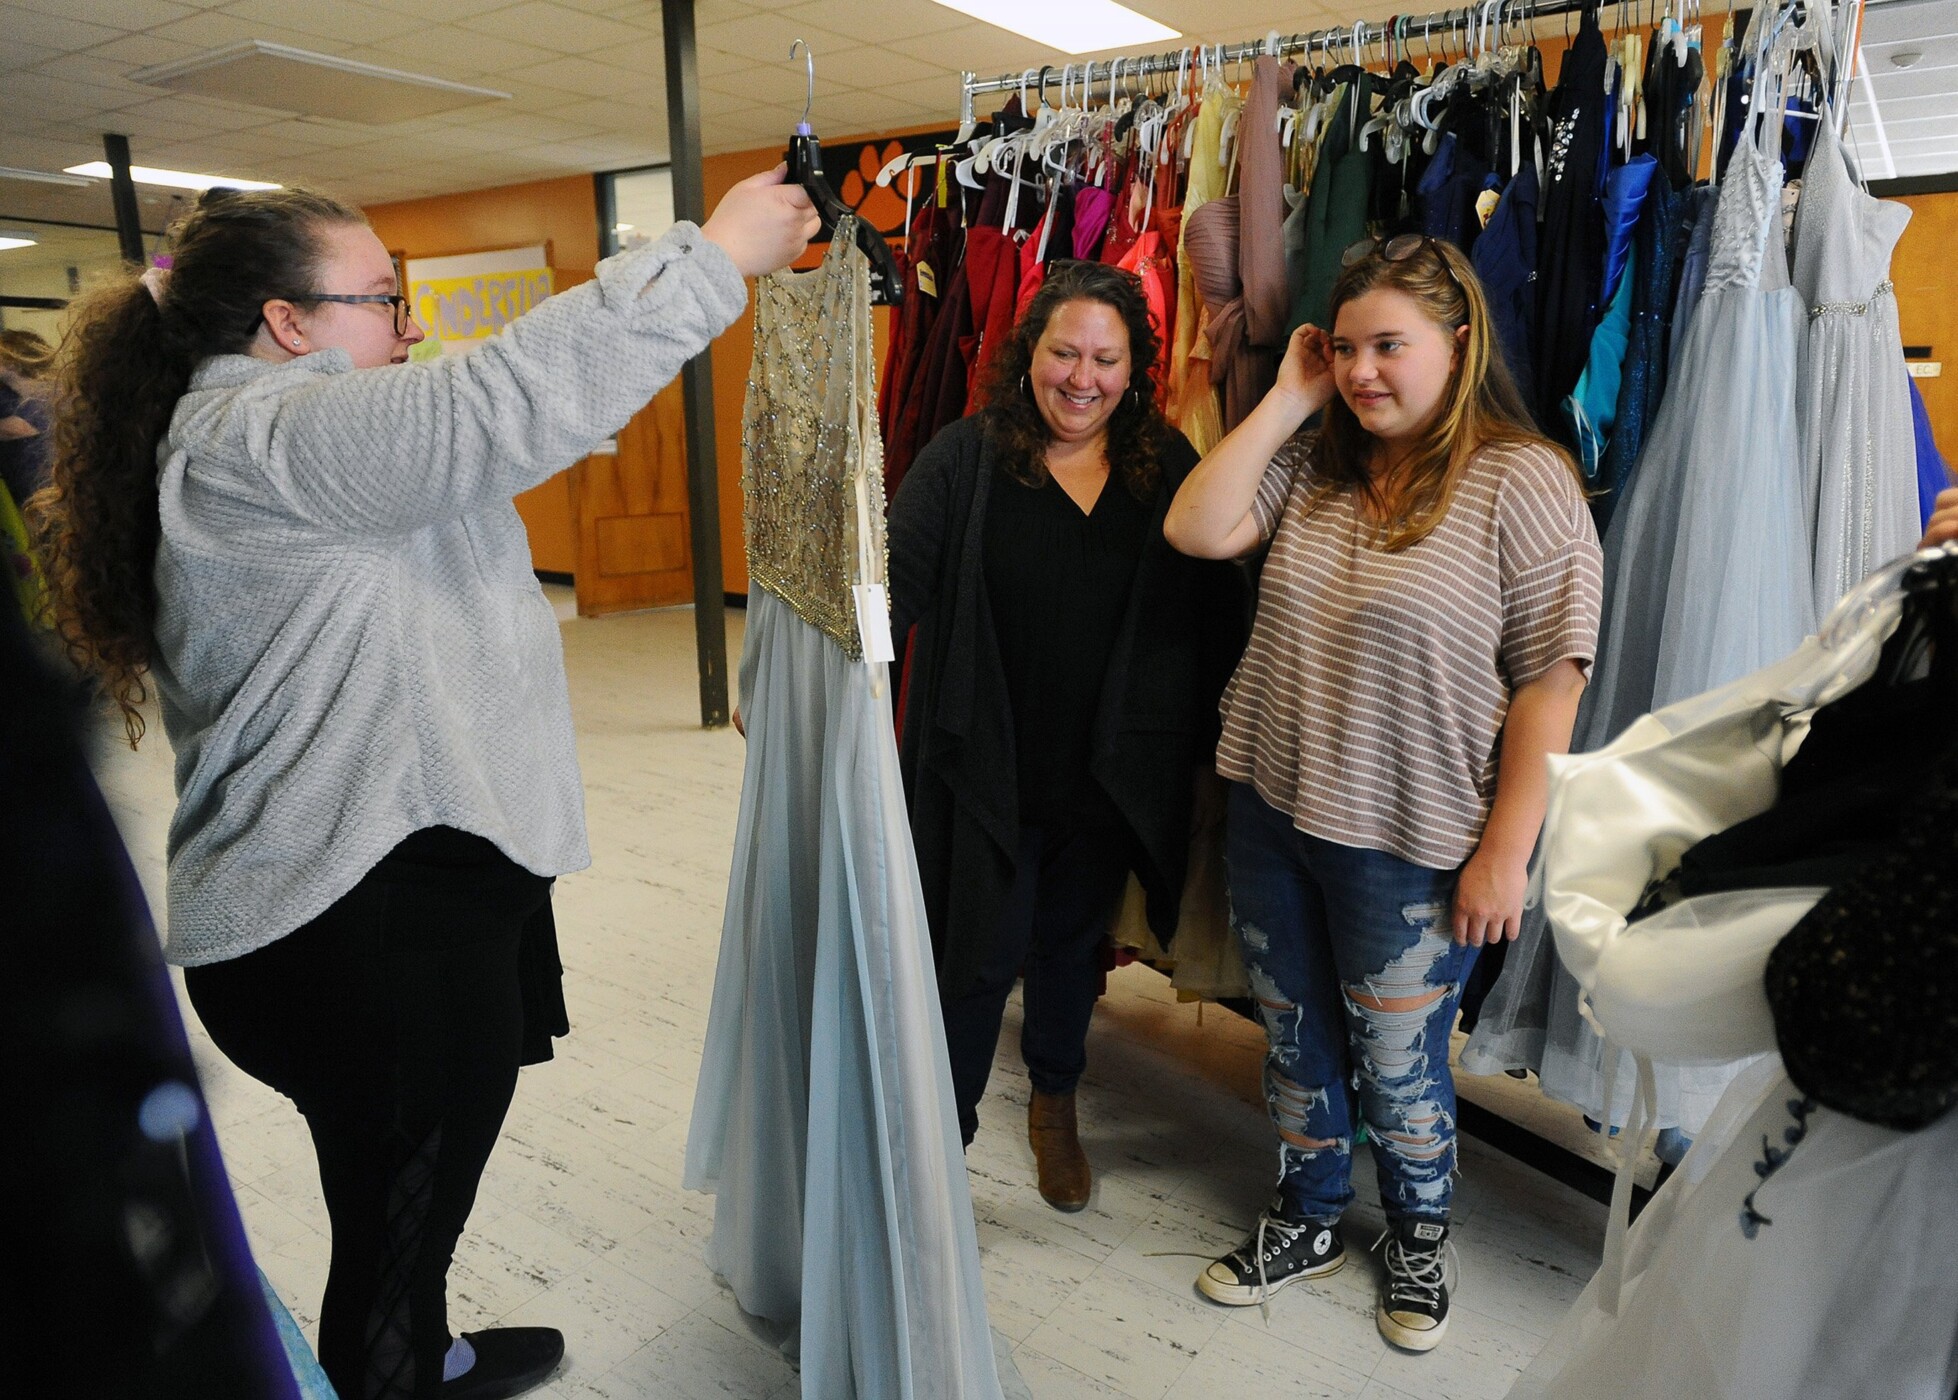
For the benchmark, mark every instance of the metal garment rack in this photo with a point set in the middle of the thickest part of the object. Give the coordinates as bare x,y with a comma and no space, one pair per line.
1495,17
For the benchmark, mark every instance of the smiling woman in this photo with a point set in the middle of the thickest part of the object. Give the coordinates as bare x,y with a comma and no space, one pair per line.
1426,617
1062,689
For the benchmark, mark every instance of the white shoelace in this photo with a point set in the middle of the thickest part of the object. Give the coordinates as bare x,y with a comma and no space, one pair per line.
1424,1269
1286,1234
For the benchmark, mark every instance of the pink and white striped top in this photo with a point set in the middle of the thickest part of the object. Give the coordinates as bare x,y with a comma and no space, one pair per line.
1371,698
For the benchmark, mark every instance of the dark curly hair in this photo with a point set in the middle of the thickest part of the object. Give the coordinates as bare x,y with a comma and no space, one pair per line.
1136,432
125,361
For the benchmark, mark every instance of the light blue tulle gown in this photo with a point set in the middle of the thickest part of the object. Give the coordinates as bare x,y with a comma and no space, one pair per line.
824,1119
1707,579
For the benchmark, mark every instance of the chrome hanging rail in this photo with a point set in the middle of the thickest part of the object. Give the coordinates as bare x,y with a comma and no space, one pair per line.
1493,17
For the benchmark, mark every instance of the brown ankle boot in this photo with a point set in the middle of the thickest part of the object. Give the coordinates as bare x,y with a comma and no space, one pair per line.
1064,1175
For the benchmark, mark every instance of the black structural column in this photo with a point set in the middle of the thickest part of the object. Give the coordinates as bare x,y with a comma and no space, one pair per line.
697,378
129,222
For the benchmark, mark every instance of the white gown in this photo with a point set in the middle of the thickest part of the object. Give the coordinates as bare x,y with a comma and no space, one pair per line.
1845,1288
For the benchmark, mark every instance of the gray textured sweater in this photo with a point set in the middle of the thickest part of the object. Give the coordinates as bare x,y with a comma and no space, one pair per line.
351,644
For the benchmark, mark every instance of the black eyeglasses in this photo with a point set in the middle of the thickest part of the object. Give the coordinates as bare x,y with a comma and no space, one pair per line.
1399,248
396,300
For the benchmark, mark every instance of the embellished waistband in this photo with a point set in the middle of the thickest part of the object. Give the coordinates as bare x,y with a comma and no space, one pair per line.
1852,308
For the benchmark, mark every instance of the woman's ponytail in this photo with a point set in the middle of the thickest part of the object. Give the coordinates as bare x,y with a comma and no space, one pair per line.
126,360
118,383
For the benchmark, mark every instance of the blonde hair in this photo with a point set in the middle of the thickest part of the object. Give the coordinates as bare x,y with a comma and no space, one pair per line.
1481,406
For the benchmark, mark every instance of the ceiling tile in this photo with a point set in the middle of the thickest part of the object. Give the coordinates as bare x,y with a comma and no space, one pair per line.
134,51
710,61
881,22
937,97
199,112
762,36
525,96
36,91
123,14
440,11
578,75
644,55
979,47
554,28
872,67
866,114
460,55
99,75
57,31
14,56
342,19
714,11
518,129
215,30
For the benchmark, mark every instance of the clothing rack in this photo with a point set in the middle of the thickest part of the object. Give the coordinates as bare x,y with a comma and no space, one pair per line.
1494,16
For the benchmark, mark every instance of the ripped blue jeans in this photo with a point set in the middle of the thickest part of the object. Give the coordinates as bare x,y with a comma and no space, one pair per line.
1357,978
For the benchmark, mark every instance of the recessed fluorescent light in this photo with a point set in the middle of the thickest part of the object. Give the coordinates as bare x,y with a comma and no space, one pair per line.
175,179
39,177
1072,26
15,240
316,84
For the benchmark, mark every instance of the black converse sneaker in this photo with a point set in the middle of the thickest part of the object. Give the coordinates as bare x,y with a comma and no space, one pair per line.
1279,1252
1413,1308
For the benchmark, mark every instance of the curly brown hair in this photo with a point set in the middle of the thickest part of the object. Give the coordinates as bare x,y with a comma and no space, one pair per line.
25,353
125,361
1481,407
1137,431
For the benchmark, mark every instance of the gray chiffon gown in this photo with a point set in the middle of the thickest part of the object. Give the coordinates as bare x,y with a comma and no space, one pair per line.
1707,579
824,1118
1859,451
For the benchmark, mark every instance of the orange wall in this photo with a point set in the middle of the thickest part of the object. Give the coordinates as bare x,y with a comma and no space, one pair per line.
1927,305
562,213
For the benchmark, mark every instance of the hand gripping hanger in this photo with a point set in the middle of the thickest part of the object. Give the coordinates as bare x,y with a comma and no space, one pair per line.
805,158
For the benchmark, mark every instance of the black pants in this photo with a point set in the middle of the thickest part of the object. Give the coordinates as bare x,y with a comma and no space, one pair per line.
396,1022
1050,931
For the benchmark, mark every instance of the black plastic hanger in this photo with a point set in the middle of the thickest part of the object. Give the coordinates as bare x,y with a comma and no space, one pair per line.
805,158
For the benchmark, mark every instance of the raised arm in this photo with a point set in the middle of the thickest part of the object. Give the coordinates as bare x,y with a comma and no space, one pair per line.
390,450
1211,516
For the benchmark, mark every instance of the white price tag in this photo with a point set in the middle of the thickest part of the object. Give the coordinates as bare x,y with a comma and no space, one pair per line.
874,622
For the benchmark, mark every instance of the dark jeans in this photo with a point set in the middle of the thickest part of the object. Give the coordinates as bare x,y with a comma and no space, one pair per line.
395,1022
1322,925
1050,931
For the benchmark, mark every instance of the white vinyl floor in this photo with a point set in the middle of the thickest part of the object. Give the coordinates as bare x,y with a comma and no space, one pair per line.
582,1225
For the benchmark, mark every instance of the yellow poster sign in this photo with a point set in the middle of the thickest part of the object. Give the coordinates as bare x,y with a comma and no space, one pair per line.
462,300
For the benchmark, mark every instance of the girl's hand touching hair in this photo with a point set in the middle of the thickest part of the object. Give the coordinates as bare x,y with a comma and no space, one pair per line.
1305,376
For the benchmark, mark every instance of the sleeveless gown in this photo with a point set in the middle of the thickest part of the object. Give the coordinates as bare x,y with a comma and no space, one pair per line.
1858,444
824,1121
1706,580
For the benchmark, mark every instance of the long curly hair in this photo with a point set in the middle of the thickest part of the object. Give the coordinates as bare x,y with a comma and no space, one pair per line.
1481,406
125,361
25,353
1137,431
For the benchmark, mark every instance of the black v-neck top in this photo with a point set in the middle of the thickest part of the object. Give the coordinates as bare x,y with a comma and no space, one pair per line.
1057,581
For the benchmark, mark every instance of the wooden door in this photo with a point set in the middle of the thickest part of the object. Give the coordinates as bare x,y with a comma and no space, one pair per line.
630,510
1927,306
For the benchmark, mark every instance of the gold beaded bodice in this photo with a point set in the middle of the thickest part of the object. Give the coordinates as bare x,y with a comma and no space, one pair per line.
812,460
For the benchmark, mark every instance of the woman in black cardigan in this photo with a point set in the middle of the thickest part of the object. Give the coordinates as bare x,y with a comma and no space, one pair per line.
1062,689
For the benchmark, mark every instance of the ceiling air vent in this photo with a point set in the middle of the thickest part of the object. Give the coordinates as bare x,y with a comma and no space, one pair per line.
313,84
